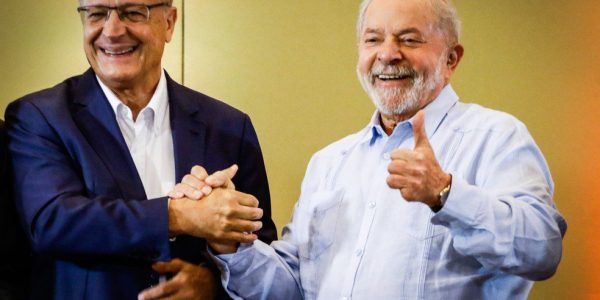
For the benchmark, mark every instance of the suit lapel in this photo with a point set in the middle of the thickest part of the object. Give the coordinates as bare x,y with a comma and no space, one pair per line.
96,120
189,130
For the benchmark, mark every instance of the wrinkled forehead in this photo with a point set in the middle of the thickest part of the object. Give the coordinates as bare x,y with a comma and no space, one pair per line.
397,15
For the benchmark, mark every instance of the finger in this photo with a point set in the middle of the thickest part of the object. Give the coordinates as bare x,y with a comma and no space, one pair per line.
181,189
162,290
397,167
397,181
240,237
244,226
247,213
419,132
173,266
193,182
401,154
176,194
199,172
222,178
247,200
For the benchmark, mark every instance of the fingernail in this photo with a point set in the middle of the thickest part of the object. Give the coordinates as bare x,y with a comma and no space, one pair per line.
206,190
197,194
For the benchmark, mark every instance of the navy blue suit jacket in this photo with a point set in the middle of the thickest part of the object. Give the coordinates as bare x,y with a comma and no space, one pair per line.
82,203
14,267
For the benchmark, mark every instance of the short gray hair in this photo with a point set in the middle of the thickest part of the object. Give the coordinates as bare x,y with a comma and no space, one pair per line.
168,2
445,13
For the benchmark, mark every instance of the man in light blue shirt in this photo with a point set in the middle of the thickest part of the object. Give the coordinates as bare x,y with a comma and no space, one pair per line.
433,199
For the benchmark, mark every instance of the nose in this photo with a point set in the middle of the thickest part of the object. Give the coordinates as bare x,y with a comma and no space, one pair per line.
390,52
113,26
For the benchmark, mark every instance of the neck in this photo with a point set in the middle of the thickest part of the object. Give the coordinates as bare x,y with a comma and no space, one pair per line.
389,122
135,96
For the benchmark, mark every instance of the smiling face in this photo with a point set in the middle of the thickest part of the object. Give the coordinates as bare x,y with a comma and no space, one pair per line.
125,54
404,60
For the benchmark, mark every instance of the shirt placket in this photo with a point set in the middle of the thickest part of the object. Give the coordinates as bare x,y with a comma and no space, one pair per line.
371,193
138,146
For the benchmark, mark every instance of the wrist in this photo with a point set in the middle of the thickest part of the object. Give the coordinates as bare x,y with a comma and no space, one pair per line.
175,217
443,194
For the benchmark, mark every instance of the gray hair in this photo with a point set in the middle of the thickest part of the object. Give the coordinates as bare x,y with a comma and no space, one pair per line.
444,11
168,2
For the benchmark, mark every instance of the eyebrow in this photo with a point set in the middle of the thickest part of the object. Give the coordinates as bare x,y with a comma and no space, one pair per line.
401,32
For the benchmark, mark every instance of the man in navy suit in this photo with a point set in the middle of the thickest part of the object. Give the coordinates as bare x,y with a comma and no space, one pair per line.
95,157
13,247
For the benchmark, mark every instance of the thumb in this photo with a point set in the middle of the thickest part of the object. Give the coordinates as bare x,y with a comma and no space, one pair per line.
222,178
173,266
419,132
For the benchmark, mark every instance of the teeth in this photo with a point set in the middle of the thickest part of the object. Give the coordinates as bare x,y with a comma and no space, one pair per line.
109,52
389,77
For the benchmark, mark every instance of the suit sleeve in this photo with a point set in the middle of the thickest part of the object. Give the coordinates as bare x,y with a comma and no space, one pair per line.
252,179
58,215
14,269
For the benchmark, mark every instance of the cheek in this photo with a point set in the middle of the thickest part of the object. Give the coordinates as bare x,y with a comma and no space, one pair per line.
366,58
89,37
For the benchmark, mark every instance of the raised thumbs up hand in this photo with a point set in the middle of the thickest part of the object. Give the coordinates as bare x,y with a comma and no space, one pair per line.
417,173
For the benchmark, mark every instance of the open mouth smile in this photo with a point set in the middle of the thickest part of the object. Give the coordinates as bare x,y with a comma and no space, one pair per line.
386,77
118,52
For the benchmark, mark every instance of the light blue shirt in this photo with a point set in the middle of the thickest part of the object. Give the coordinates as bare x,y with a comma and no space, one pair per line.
353,237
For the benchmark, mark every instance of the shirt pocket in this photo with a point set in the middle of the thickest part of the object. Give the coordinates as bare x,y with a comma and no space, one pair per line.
320,219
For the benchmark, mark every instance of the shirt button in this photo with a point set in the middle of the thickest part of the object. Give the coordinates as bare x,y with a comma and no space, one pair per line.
358,252
372,205
386,156
345,298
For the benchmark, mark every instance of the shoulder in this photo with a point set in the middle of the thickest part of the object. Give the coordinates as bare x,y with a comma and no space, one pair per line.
214,110
341,146
325,158
58,96
468,118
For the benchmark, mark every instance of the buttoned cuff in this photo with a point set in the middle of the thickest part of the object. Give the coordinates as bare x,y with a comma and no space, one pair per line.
463,205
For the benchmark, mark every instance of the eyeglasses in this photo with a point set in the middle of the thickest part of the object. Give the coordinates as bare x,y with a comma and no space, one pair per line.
96,15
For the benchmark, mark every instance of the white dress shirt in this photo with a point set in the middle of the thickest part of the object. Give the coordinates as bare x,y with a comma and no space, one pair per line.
353,237
149,139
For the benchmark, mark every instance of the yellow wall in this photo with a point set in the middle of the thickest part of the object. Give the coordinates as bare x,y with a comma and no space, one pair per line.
290,65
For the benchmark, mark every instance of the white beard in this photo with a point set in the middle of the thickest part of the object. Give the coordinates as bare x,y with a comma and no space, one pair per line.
400,100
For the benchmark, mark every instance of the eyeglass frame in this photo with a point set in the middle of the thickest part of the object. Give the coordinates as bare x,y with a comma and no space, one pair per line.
119,10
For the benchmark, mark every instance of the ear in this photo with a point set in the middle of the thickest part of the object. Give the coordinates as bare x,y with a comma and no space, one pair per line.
454,56
171,18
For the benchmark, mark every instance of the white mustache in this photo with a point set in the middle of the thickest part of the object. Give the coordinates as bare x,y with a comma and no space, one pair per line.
392,70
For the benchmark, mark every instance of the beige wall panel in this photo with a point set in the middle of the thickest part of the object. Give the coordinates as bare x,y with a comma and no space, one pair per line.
290,65
41,45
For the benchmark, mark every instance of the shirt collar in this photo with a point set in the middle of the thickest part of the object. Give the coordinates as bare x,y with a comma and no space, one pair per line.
435,112
159,103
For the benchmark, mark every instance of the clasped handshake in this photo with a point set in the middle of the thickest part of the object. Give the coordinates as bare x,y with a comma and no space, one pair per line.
209,207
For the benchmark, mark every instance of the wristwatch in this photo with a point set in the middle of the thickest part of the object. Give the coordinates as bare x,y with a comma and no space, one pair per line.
443,195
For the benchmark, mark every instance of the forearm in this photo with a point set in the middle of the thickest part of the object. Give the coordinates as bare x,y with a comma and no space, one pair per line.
517,233
260,271
84,227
